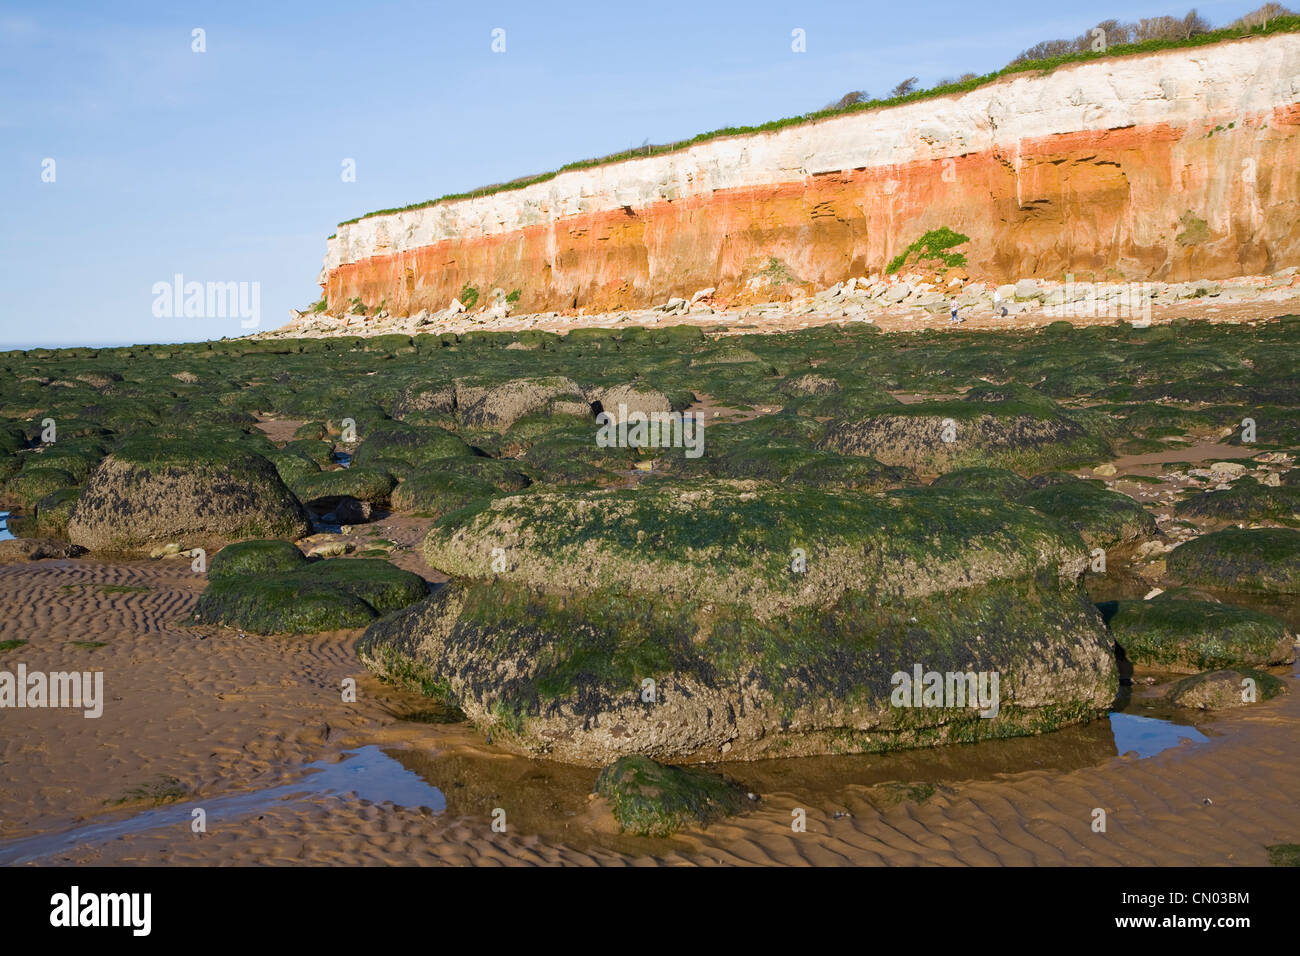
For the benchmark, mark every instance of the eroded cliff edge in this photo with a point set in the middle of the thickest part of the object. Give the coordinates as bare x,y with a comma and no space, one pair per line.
1169,166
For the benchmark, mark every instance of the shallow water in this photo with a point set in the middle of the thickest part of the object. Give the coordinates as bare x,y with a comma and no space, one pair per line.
368,773
5,533
1148,736
342,458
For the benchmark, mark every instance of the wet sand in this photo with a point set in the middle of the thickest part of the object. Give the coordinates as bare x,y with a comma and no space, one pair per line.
201,714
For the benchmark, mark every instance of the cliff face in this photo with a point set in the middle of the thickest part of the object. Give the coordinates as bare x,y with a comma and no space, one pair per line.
1170,166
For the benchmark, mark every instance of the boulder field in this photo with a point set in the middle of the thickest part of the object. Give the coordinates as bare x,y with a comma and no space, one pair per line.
686,620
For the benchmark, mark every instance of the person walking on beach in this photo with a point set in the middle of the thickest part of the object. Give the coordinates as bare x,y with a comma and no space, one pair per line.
997,304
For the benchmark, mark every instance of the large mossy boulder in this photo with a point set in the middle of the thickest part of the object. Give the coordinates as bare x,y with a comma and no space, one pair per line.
498,406
651,799
1240,559
1104,518
269,587
769,621
1009,427
413,444
1190,636
1246,500
203,495
998,482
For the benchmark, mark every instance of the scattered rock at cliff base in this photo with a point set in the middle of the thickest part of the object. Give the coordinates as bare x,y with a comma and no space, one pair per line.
1010,427
651,799
262,589
1224,689
690,585
1240,559
17,550
1181,635
208,495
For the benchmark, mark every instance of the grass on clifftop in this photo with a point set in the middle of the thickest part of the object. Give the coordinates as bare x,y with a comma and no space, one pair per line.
1286,24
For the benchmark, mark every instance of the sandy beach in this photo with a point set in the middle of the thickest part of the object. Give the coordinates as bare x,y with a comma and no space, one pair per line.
197,715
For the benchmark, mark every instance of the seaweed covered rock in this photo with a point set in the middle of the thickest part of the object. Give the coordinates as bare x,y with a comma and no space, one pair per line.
1006,427
263,589
256,557
1104,518
1225,689
206,495
1246,500
35,482
783,448
765,621
994,481
413,444
18,550
437,493
651,799
1181,635
499,406
632,398
1240,559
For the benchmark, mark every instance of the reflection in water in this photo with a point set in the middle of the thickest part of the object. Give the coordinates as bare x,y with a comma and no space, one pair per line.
5,533
342,458
367,772
1148,736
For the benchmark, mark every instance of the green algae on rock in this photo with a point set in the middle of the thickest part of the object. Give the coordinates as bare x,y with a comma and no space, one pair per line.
734,541
262,589
1225,689
1240,559
1246,500
1104,518
1190,636
1006,427
651,799
999,482
691,586
204,495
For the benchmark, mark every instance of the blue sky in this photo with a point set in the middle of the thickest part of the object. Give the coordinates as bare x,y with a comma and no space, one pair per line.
224,166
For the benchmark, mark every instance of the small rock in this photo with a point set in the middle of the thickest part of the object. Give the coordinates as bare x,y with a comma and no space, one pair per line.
165,550
1227,470
1105,470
